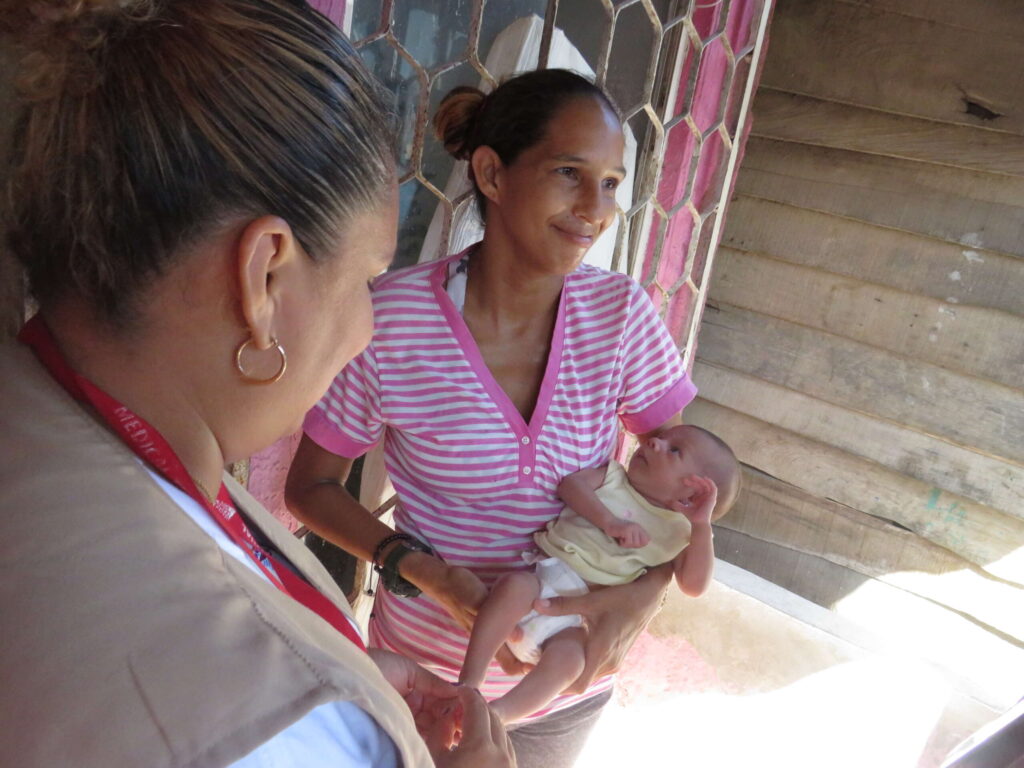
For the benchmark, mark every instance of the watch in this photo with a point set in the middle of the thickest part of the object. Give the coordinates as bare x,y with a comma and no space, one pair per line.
390,578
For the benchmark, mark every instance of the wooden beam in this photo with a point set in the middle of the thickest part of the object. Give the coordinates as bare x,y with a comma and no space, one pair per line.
875,58
1001,18
988,666
974,532
979,342
971,412
938,463
780,513
966,207
806,120
901,260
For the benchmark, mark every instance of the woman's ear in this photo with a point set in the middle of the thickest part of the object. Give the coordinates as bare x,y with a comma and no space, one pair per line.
265,250
487,168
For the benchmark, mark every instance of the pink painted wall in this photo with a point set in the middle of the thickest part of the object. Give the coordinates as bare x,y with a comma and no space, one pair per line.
268,470
332,9
714,99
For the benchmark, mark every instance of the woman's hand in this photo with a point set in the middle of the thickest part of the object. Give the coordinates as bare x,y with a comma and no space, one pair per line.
461,593
484,742
615,617
456,589
456,724
434,703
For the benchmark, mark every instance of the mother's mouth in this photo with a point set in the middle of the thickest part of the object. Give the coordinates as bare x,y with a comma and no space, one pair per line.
584,240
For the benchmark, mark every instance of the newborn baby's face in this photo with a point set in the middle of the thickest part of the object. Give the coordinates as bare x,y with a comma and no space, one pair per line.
661,464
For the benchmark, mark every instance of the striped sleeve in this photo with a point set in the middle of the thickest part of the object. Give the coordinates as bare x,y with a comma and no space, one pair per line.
655,386
347,420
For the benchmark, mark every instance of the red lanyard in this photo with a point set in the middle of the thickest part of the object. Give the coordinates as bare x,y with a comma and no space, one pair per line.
152,448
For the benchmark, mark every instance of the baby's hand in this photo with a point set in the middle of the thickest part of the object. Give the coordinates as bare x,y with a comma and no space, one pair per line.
701,504
628,535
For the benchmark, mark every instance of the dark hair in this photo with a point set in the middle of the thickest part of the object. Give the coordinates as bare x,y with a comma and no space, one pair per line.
511,118
143,124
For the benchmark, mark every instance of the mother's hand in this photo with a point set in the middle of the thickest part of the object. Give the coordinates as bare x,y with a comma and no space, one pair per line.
460,592
456,589
615,617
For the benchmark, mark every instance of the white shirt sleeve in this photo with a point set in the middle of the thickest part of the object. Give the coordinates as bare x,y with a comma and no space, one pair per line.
339,735
334,735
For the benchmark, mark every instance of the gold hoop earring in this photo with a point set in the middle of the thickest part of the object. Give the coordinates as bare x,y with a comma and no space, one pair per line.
280,371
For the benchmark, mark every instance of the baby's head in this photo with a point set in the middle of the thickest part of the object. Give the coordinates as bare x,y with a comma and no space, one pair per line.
661,463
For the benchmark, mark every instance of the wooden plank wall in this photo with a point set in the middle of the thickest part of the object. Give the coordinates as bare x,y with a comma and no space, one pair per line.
863,345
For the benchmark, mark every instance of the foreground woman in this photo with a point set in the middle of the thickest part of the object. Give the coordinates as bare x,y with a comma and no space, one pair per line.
492,375
200,191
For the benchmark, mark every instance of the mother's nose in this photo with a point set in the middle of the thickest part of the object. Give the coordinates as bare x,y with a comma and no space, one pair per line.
595,204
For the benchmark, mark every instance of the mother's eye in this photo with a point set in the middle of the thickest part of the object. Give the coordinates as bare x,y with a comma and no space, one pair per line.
568,172
611,183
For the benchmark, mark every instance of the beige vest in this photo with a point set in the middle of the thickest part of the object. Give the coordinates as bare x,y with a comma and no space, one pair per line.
594,555
127,636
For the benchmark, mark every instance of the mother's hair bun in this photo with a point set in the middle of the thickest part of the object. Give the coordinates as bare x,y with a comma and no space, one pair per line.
456,118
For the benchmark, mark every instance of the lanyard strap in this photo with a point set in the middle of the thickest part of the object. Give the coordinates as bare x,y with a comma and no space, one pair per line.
150,446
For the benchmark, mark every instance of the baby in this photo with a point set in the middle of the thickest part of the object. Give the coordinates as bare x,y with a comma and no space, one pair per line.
616,523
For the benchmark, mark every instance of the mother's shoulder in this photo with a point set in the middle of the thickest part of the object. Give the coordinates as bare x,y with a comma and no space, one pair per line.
414,274
588,278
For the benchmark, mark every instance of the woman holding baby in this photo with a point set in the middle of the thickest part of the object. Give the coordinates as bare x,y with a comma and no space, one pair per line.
493,374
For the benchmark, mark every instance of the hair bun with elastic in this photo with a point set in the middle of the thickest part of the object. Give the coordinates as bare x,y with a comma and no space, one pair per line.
456,118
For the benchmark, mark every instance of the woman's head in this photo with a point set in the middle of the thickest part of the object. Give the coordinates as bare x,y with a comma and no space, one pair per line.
147,124
514,116
188,175
545,147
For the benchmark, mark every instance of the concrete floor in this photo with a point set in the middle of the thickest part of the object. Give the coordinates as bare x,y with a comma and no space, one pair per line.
750,674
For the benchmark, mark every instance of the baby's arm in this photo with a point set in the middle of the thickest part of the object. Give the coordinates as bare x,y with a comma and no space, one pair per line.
578,490
694,565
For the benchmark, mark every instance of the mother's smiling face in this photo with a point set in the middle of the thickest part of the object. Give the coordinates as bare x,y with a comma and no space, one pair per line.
558,195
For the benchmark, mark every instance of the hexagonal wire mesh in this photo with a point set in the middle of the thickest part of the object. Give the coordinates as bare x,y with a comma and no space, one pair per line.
680,71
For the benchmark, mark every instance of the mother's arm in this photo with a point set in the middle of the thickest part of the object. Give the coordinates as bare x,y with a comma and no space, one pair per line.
315,493
615,616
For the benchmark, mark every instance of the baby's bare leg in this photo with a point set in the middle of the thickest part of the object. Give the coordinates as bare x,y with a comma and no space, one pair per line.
510,599
561,662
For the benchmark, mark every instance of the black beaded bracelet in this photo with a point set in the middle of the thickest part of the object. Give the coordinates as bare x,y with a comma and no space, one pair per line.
384,542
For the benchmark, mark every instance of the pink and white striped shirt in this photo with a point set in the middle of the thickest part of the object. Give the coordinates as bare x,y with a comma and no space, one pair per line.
474,479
